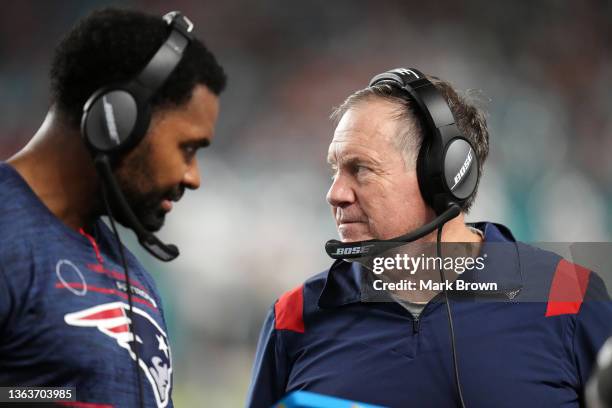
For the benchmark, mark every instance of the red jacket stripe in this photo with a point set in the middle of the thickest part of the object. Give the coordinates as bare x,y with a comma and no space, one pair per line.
567,290
289,311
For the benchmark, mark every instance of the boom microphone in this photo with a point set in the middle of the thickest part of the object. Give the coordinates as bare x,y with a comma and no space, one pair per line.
349,250
163,252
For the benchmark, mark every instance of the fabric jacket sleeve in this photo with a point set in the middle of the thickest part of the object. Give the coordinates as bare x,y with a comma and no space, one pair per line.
270,368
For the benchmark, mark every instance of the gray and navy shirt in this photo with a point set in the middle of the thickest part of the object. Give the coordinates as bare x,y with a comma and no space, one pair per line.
64,309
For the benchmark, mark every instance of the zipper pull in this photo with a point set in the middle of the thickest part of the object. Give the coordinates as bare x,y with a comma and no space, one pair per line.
415,325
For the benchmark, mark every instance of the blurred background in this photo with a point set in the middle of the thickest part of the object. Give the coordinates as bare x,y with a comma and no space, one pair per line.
541,70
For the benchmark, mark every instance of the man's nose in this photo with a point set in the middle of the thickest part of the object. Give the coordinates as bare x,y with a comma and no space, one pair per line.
341,192
191,178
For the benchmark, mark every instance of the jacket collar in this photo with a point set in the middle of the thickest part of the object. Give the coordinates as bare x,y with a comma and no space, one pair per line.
344,280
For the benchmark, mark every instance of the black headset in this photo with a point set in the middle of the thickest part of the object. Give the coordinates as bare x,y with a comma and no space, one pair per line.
117,117
447,165
446,161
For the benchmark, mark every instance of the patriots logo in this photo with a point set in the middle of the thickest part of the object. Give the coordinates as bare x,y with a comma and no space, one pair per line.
153,351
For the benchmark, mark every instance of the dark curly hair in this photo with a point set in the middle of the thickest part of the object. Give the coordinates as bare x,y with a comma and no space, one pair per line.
113,45
470,120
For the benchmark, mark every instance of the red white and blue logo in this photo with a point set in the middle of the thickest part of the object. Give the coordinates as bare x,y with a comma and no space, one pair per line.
154,356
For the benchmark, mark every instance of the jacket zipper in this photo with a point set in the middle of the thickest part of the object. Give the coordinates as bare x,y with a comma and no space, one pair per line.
415,325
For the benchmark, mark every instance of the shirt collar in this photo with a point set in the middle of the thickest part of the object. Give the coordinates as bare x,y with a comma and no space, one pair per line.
502,266
502,261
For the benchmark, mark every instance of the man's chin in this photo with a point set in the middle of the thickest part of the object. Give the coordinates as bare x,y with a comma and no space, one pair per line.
153,226
347,237
352,232
150,223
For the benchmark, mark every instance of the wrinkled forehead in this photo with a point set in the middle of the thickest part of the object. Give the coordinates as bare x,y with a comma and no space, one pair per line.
368,126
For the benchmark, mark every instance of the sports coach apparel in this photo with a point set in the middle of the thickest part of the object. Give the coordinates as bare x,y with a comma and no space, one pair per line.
63,308
523,346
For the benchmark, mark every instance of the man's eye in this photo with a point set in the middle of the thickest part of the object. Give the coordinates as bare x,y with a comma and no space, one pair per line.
359,169
189,151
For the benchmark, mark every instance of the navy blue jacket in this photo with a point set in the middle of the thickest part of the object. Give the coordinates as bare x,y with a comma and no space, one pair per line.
63,309
532,343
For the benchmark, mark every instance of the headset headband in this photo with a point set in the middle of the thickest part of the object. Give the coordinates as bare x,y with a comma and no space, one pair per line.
167,57
432,106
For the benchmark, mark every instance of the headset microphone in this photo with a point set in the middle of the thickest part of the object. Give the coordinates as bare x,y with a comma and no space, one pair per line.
349,250
164,252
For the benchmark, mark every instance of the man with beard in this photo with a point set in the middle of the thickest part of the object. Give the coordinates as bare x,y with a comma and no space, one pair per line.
70,313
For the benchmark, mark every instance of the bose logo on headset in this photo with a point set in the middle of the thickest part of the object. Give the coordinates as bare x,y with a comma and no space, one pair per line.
355,250
463,169
350,251
407,71
111,124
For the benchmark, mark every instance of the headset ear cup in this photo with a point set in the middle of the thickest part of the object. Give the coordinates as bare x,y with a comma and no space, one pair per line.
461,169
109,119
447,174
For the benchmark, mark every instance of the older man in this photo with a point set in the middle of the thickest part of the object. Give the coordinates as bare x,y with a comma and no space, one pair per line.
406,157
